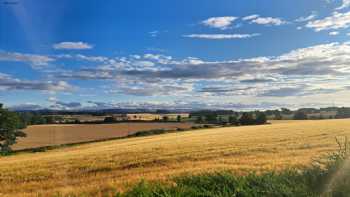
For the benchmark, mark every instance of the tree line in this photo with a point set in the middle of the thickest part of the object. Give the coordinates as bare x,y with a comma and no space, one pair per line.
230,117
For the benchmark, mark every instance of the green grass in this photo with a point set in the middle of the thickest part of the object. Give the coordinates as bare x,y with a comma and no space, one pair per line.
328,177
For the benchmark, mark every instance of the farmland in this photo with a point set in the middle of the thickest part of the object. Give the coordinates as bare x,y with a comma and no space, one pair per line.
51,135
98,168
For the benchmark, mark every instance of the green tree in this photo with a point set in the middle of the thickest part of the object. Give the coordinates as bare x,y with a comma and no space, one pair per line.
211,118
10,126
178,118
233,120
247,119
278,115
299,115
109,119
199,119
260,118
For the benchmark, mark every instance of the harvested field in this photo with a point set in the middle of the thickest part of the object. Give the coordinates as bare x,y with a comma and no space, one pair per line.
98,168
50,135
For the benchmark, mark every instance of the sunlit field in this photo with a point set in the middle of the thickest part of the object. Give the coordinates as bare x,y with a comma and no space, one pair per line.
99,168
52,135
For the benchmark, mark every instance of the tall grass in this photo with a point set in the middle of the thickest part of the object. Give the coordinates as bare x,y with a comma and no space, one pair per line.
326,177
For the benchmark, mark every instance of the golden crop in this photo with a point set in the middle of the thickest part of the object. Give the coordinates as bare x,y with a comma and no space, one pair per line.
98,168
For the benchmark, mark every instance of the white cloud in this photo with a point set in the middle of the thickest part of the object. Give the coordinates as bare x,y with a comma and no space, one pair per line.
320,69
219,22
82,57
345,4
306,18
153,33
9,83
72,45
250,17
52,99
268,21
333,33
335,21
264,20
221,36
36,61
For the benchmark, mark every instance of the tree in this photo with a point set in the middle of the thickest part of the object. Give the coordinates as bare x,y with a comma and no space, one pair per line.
343,113
10,126
286,111
165,118
109,119
233,120
260,118
278,115
178,118
299,115
246,119
199,119
211,118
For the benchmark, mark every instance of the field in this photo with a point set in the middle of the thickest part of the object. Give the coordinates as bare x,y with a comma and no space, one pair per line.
98,168
50,135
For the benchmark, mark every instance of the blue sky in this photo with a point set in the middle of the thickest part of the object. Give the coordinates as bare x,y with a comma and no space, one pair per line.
179,54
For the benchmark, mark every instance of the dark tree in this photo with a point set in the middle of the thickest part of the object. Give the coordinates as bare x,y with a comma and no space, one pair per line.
343,113
278,115
299,115
109,119
286,111
178,118
165,118
247,119
233,120
199,119
10,126
260,118
211,118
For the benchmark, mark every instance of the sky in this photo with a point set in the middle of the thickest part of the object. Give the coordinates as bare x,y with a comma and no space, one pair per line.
183,54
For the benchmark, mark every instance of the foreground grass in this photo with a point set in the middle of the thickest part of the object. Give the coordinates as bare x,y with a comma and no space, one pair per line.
101,169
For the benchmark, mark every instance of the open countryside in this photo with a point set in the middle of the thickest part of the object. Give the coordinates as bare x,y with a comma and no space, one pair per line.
105,167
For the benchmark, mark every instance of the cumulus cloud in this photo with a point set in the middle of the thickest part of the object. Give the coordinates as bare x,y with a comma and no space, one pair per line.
222,23
36,61
9,83
264,20
335,21
156,74
221,36
72,45
86,74
345,4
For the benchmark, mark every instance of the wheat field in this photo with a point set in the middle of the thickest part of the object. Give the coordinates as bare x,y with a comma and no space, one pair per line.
52,135
97,169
